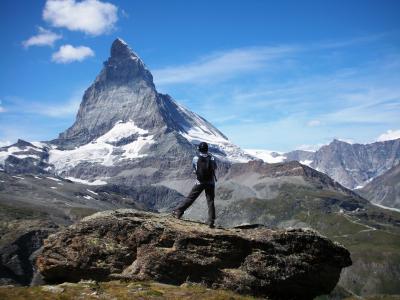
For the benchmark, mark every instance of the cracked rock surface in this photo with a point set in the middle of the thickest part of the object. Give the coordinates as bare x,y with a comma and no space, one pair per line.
126,243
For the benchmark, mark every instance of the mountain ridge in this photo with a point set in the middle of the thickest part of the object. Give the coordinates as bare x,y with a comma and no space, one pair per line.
352,165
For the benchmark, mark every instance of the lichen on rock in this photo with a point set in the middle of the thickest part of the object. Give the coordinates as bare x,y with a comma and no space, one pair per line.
284,264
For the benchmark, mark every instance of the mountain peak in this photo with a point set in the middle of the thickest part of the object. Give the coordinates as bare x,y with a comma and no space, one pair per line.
120,49
124,67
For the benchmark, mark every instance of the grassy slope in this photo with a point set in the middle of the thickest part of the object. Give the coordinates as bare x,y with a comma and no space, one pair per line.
370,234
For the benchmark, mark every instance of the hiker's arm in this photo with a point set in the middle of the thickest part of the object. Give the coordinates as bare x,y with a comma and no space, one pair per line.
214,161
194,164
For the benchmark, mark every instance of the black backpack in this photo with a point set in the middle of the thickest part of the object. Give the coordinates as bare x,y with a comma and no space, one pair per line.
205,169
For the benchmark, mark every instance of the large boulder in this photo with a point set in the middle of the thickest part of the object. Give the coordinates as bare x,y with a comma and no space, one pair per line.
284,264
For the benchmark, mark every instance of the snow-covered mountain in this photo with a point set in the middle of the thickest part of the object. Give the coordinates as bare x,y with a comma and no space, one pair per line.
123,123
352,165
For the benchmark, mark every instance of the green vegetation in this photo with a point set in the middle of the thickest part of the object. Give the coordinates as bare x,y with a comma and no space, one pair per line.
371,235
118,290
15,221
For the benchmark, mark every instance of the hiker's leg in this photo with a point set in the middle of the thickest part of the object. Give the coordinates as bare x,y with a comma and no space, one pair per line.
194,193
210,194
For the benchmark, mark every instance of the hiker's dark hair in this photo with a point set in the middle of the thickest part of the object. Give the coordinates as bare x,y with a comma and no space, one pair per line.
203,147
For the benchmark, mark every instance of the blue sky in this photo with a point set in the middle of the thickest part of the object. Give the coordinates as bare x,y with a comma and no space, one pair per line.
275,75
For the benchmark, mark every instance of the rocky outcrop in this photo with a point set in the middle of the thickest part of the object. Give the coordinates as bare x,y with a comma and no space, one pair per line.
286,264
17,251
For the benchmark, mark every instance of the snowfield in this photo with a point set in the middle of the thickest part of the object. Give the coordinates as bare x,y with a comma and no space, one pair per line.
267,155
101,150
202,131
14,152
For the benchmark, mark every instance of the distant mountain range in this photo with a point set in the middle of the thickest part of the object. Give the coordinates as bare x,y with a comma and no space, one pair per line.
352,165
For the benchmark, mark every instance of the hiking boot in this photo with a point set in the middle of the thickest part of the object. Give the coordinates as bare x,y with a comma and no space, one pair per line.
177,214
211,225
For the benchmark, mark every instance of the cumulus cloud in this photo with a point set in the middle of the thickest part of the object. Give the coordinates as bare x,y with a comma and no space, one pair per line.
389,135
90,16
68,53
43,38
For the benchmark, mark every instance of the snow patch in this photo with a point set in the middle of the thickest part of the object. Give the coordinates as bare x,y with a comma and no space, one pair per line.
100,150
88,197
306,162
267,155
93,192
95,182
53,187
55,179
18,177
386,207
14,150
202,131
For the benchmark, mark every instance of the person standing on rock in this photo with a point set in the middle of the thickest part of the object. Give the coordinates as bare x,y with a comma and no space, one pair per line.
204,166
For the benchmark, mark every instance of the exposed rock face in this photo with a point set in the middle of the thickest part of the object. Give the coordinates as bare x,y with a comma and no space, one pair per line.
384,189
23,157
287,264
17,250
352,165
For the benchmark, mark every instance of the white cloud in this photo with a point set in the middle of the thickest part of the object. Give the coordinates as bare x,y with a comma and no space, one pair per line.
69,53
2,109
227,64
311,148
221,65
389,135
43,38
313,123
4,143
90,16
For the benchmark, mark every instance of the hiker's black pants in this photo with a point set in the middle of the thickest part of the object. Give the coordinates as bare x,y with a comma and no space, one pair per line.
194,193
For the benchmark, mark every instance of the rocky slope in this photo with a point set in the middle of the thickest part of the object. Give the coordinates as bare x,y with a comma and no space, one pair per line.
32,206
384,189
286,264
352,165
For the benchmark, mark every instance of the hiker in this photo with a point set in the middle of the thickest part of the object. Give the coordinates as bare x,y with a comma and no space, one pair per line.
204,166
